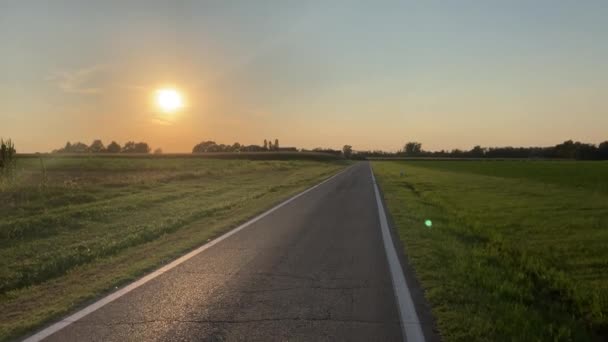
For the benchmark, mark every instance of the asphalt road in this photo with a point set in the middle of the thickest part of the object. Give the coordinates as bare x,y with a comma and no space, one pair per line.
314,270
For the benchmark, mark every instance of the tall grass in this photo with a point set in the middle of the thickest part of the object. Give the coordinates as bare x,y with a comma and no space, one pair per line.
7,160
45,178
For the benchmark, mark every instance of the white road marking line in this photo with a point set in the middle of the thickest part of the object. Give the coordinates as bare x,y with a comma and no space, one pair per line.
410,323
46,332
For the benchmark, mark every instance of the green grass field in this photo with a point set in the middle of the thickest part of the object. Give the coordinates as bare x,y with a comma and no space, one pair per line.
517,251
88,224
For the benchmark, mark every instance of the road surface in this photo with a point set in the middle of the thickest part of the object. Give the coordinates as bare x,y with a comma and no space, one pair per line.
314,269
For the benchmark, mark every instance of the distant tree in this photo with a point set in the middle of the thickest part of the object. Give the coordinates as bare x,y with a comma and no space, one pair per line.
158,151
412,148
79,147
133,147
576,150
113,147
129,147
236,147
567,149
265,144
142,147
327,150
276,144
252,148
205,146
602,150
7,158
477,152
63,149
586,151
270,148
97,146
288,149
347,151
457,153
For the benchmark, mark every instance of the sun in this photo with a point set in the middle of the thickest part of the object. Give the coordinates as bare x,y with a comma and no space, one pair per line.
169,100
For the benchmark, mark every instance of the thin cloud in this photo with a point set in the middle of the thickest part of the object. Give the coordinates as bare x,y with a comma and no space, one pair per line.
78,81
135,87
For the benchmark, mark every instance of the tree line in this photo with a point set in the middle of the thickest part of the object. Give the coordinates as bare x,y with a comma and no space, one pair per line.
97,146
268,146
567,150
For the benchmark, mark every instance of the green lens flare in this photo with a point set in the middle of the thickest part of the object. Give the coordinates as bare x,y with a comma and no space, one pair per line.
428,223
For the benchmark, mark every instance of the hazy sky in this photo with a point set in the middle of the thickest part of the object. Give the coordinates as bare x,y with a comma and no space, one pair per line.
373,74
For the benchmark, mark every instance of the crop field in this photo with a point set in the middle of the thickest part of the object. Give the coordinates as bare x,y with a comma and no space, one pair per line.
73,228
517,250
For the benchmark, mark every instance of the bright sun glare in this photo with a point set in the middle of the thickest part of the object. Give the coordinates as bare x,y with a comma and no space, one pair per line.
169,100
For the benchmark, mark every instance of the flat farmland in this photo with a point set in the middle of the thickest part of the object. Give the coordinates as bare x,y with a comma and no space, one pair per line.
517,250
74,228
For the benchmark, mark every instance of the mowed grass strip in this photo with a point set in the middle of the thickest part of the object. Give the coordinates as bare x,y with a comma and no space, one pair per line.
576,174
90,224
509,257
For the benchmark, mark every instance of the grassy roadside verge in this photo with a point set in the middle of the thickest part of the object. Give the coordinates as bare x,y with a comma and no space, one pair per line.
97,224
508,258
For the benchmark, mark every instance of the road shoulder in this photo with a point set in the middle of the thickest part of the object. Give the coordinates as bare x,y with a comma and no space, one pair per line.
422,307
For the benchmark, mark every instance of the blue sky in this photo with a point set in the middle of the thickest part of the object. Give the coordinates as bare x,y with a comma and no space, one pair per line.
373,74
